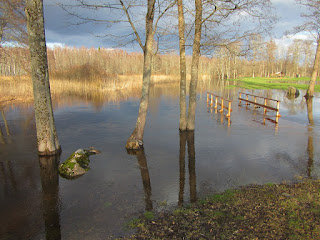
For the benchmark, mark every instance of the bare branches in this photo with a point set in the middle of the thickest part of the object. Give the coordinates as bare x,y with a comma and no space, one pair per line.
312,17
131,24
12,21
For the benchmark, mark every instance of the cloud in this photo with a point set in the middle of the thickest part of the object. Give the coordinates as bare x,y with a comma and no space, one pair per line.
53,45
285,41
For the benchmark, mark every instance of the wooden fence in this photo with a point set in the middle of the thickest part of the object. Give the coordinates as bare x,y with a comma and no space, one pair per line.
219,101
264,105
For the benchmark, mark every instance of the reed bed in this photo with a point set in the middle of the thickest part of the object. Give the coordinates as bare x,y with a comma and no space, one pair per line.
20,88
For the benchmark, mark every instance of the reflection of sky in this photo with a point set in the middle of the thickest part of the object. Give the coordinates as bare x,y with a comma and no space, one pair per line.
102,200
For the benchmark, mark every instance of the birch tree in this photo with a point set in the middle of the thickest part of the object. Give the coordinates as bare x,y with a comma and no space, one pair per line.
48,143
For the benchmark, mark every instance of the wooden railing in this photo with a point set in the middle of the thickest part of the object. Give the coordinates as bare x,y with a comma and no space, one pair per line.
219,101
253,100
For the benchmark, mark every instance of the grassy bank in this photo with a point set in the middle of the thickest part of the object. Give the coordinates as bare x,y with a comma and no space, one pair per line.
272,211
275,83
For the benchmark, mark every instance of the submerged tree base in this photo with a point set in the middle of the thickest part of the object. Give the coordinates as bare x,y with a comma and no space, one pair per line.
47,153
134,144
271,211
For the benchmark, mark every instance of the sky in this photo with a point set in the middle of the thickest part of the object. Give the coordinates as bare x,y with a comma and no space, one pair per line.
61,31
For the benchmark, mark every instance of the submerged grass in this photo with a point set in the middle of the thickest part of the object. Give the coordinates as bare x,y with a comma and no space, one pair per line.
275,83
272,211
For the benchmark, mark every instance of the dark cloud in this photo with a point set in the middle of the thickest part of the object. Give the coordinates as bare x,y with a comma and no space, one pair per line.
62,28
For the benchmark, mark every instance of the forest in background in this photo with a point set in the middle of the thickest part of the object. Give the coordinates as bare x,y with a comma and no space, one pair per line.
260,59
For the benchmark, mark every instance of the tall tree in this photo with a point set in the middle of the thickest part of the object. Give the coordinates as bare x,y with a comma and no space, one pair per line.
195,66
312,24
48,143
130,13
183,68
221,27
135,140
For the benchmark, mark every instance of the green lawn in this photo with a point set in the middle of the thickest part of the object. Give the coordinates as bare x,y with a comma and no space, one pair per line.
275,83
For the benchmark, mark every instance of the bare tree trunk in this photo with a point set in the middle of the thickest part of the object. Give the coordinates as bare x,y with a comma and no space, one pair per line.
135,140
183,68
310,91
195,67
48,143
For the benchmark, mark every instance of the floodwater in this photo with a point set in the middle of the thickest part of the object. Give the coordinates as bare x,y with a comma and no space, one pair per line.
173,169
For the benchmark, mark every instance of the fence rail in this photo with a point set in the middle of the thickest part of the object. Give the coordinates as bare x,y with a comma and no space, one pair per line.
253,100
219,101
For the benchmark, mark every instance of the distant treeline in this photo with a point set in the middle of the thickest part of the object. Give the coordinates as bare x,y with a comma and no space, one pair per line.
227,63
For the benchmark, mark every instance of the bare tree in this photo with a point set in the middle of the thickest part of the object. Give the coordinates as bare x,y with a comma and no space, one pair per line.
183,68
216,17
12,21
135,141
195,66
48,143
312,24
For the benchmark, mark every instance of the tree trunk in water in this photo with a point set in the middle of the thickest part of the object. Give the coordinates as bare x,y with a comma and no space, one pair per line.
182,156
135,140
195,67
50,196
48,143
183,68
192,167
143,165
310,91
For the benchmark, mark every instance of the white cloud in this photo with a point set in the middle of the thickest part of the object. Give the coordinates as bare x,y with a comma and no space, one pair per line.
53,45
285,41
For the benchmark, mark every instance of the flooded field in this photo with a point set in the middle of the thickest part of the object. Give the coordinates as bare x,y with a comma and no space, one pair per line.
173,169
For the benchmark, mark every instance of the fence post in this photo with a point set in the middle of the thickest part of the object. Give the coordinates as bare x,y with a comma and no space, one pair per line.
247,100
278,107
239,98
229,109
221,110
207,97
265,104
216,103
255,101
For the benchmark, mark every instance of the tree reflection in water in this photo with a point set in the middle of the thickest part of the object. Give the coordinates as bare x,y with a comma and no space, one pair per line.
143,165
50,196
2,140
310,150
187,137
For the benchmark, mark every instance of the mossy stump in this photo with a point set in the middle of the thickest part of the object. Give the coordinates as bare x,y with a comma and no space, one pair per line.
77,164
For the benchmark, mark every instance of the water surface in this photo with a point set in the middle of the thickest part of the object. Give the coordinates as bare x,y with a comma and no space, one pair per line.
173,169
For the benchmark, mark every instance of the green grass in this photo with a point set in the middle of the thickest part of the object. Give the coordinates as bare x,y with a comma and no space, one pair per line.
275,83
270,211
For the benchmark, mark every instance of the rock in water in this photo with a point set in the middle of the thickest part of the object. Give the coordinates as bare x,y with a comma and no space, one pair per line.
292,92
77,164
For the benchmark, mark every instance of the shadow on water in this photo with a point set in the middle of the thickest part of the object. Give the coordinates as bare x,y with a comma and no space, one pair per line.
50,196
187,138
